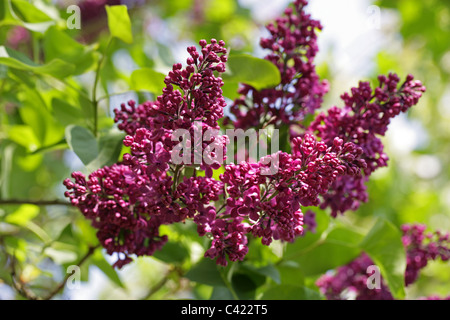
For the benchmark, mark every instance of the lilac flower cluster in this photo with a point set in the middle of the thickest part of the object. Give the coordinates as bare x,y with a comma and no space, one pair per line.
130,200
127,202
268,206
293,46
152,194
422,247
198,100
309,221
365,117
111,198
352,278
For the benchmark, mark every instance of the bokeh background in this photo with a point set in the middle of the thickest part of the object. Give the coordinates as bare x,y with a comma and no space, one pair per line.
360,40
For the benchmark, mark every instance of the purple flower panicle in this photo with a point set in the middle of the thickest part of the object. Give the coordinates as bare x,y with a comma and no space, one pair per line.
364,118
293,47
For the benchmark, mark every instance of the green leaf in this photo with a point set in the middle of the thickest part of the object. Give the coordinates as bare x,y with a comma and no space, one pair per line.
221,293
85,232
39,232
82,142
40,27
257,275
260,254
267,271
218,172
119,23
271,272
339,248
35,118
23,215
384,245
59,45
205,272
291,292
165,56
219,10
29,12
290,273
5,13
6,166
35,112
243,286
148,80
56,68
285,144
309,239
172,252
28,162
17,247
87,107
109,147
25,15
65,113
67,235
24,136
230,89
22,77
258,73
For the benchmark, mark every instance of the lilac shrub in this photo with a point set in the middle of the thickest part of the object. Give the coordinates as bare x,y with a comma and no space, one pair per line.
327,166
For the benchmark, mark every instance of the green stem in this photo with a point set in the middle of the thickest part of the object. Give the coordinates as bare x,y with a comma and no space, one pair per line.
176,176
221,208
66,278
61,142
17,283
96,81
